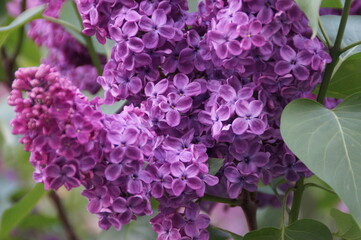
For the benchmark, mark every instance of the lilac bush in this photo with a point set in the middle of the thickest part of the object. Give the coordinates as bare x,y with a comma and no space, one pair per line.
199,86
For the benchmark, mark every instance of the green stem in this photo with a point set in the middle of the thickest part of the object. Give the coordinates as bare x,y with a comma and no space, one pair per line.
335,53
63,23
350,46
10,62
324,34
284,206
93,55
88,41
320,187
342,27
296,202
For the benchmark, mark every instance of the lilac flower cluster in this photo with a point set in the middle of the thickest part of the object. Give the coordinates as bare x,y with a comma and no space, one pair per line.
210,84
119,159
65,53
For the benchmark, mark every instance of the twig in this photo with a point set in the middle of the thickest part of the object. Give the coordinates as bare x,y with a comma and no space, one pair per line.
249,206
62,216
9,62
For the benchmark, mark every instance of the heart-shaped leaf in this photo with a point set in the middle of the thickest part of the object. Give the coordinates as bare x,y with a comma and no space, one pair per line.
346,81
22,19
299,230
307,229
264,234
311,9
329,143
229,233
347,227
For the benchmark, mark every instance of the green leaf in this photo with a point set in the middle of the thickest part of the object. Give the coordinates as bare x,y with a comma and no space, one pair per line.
216,234
346,81
307,229
264,234
3,12
329,143
22,19
311,9
33,222
29,55
348,228
193,5
229,233
352,30
14,215
331,4
214,165
299,230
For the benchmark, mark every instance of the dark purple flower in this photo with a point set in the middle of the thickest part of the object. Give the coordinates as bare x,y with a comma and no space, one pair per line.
98,199
126,207
194,221
64,175
263,8
293,62
79,129
290,167
251,158
238,181
69,148
248,118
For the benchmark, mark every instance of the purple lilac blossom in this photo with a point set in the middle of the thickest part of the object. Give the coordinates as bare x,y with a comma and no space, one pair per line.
65,53
210,84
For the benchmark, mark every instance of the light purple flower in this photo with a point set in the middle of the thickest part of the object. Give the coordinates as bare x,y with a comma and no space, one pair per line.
251,35
293,62
215,118
225,41
184,88
185,177
175,105
248,118
155,27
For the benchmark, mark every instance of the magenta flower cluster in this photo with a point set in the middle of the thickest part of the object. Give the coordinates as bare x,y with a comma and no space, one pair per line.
209,84
65,53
